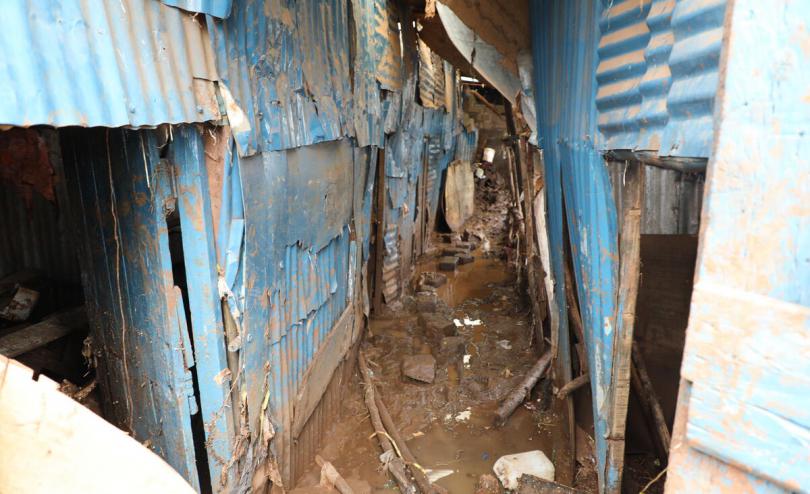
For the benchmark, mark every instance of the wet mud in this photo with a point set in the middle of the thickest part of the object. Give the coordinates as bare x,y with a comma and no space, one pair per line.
448,424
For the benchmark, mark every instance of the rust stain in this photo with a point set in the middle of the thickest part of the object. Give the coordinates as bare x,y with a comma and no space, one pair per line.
24,163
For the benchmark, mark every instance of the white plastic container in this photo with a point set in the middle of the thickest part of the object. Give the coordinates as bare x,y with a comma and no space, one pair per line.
509,468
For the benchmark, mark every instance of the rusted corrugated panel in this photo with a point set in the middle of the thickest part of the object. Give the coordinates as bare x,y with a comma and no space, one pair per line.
431,78
466,145
34,237
97,63
286,63
658,73
217,8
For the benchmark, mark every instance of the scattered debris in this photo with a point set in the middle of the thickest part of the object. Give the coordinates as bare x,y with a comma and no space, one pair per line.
330,477
505,344
420,367
528,484
458,323
520,393
432,279
472,322
488,484
462,416
21,304
466,360
510,468
434,475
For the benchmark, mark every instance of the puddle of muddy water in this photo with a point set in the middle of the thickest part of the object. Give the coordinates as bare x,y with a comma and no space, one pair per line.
498,352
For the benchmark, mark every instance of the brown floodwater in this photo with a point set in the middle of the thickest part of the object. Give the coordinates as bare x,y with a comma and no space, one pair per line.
448,424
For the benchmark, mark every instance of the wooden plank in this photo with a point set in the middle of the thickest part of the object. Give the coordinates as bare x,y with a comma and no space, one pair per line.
629,248
650,405
59,445
322,367
40,334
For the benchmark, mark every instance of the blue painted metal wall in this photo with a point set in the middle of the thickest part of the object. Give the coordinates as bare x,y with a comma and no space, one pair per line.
97,63
657,75
216,8
743,420
121,191
564,42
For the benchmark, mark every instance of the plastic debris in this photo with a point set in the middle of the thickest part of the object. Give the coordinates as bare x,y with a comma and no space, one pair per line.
509,468
472,322
467,358
505,344
434,475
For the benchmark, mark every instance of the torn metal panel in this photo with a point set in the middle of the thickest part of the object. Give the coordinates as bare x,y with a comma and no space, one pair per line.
467,145
658,75
286,63
431,78
565,36
743,408
122,192
216,8
484,57
130,63
187,155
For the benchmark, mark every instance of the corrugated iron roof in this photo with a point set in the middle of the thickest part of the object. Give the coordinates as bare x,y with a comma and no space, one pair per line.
96,63
657,75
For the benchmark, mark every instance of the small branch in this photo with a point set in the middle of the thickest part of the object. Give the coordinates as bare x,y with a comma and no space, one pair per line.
331,477
395,466
573,385
517,395
643,388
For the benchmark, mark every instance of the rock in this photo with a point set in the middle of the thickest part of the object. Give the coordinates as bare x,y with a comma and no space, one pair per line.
488,484
528,484
420,367
452,345
448,263
427,301
509,468
465,258
454,251
468,246
432,279
437,324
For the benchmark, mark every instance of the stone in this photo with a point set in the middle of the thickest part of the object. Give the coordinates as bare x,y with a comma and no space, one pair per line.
451,345
432,279
468,246
454,251
437,324
427,301
488,484
420,367
465,258
448,263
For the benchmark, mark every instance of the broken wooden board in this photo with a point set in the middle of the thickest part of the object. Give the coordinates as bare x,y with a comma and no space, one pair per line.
51,443
37,335
459,194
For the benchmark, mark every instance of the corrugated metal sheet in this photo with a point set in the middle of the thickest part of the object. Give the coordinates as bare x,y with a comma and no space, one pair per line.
119,189
286,63
35,237
743,419
672,200
467,145
431,78
565,38
217,8
657,75
97,63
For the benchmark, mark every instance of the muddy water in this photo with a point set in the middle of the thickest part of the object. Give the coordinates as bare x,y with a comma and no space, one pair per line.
447,424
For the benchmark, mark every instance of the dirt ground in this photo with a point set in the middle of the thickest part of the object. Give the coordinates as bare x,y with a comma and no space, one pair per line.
447,423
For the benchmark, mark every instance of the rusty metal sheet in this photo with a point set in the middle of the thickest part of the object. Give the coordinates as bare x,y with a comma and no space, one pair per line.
744,408
122,190
459,191
94,63
431,78
287,65
657,75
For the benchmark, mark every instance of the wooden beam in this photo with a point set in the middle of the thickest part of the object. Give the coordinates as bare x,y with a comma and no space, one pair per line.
653,413
629,270
46,331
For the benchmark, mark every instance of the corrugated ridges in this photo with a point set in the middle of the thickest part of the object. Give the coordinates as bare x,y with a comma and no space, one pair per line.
97,63
698,29
657,75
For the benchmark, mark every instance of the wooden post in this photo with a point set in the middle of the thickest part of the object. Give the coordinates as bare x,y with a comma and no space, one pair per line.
653,413
629,271
576,318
